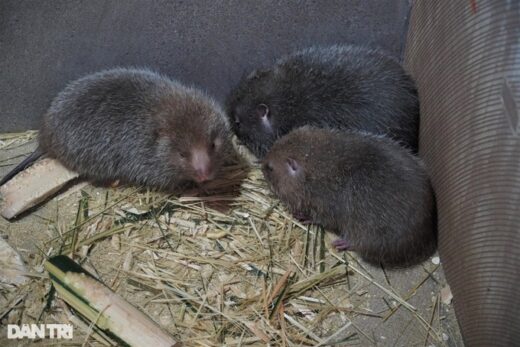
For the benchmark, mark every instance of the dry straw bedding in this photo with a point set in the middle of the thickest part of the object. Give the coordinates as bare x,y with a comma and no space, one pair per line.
226,264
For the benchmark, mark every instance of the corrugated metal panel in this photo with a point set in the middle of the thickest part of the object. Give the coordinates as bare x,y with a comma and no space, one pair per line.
465,56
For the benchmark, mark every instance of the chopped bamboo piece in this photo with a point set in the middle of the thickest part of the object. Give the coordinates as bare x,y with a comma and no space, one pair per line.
33,185
100,305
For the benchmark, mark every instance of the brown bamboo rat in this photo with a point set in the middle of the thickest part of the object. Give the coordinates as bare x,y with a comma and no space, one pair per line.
137,127
370,191
342,86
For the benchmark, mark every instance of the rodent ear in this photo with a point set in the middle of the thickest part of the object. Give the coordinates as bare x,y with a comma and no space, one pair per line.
262,110
293,166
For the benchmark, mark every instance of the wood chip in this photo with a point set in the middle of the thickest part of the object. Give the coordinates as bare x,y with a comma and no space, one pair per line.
446,295
12,268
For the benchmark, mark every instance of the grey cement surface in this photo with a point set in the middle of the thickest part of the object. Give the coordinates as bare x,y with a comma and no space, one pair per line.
45,44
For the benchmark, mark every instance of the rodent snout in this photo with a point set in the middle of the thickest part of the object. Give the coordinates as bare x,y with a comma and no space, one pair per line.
203,175
201,165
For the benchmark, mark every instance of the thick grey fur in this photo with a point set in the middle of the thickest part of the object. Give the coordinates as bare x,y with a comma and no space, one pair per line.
345,86
368,189
135,126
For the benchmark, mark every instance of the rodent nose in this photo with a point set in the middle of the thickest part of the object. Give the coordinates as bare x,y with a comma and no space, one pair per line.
201,164
202,175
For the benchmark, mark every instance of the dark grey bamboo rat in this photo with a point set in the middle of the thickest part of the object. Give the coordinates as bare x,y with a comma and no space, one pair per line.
135,126
373,193
346,87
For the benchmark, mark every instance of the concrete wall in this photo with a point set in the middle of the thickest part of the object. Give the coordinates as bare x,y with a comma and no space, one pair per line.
45,44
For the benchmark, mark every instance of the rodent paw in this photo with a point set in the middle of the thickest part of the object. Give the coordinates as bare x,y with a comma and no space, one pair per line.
302,218
341,245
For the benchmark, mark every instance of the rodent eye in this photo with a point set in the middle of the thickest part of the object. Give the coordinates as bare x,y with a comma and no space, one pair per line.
183,155
268,166
262,110
216,143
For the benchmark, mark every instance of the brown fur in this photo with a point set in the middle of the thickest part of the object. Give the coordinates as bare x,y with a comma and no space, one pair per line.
369,190
138,127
